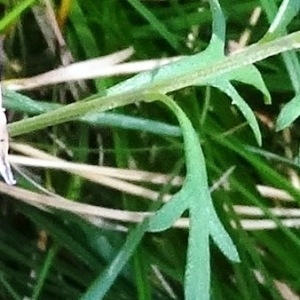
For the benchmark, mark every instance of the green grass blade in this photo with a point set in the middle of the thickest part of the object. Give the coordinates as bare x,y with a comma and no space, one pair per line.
290,58
155,23
142,269
102,284
12,293
286,12
13,15
83,32
44,272
20,103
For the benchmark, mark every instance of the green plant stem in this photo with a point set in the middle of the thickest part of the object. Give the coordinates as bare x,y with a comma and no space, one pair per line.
171,83
15,13
12,293
44,272
70,112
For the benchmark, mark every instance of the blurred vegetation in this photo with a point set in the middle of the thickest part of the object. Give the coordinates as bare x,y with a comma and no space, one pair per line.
52,253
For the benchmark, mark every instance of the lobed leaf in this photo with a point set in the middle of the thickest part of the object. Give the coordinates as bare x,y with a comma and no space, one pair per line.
289,113
242,105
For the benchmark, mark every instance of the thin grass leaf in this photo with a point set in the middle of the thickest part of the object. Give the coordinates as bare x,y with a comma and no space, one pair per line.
13,15
155,23
63,237
287,11
290,58
266,171
10,290
102,284
20,103
142,267
84,34
244,272
44,272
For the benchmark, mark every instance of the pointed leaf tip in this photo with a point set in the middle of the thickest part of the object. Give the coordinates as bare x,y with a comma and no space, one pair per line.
289,113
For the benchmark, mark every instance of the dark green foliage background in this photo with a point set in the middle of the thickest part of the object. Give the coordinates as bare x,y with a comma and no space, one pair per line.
77,251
